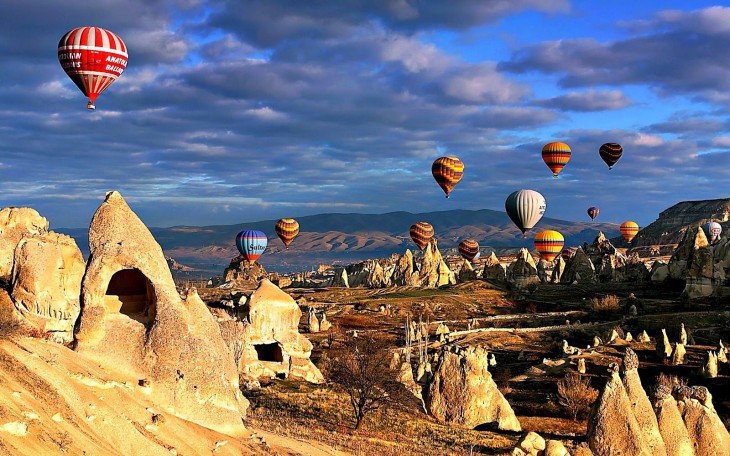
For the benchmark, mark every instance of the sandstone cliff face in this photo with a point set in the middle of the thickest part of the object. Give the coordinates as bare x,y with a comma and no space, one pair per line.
46,282
14,224
272,345
462,392
670,226
133,320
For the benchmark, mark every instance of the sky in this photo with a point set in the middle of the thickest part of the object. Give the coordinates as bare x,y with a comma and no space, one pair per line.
234,111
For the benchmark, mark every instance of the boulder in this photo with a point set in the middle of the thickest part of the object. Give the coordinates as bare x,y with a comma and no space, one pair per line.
555,448
272,344
134,322
46,282
463,392
15,223
531,444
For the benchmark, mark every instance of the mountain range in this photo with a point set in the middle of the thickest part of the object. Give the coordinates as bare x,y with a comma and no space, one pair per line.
343,238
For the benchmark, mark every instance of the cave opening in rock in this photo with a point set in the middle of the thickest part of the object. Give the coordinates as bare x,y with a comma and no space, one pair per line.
269,352
131,293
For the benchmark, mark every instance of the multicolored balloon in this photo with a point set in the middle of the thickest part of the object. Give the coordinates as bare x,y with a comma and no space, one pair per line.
251,244
629,230
525,208
712,230
447,171
287,229
610,153
593,212
556,155
93,58
549,243
469,249
421,233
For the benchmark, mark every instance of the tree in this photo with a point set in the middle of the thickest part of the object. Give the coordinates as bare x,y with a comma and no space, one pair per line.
576,394
362,371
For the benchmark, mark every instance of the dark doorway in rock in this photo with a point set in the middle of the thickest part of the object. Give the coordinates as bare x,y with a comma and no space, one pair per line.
131,293
269,352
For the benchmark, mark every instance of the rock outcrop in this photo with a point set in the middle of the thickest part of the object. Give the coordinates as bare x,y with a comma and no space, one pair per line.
46,282
579,269
522,271
706,432
133,321
244,274
493,269
463,392
671,426
272,344
15,223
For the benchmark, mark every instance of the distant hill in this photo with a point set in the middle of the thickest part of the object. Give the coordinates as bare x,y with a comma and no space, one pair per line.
672,223
328,238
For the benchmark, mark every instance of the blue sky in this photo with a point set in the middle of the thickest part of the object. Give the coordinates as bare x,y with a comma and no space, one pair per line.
234,111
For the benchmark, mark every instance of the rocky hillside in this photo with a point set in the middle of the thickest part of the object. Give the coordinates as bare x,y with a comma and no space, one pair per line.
672,223
328,238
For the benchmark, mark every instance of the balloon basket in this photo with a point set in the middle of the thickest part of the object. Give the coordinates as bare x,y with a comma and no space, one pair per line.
90,106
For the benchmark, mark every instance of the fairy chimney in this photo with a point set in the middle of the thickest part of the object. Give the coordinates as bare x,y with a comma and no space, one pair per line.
134,321
671,426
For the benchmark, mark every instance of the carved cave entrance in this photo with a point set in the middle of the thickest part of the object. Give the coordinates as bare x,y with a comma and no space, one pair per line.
131,293
269,352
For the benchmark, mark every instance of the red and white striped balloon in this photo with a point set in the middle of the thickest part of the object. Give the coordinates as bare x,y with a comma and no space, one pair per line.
93,58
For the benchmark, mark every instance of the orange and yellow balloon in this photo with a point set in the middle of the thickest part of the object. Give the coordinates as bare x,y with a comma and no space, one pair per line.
287,229
421,233
629,230
447,171
556,155
549,243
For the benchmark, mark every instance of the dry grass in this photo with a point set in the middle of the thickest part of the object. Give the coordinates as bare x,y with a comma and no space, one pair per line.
322,414
605,304
576,394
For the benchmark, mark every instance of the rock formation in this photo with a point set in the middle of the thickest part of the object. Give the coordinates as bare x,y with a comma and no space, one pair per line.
46,282
612,426
243,273
15,223
558,269
671,426
710,367
664,348
313,322
579,269
640,404
467,273
678,354
133,321
493,269
706,431
463,392
531,444
324,324
272,344
522,271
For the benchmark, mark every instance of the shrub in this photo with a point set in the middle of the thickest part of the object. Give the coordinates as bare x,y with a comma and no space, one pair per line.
575,394
605,304
670,381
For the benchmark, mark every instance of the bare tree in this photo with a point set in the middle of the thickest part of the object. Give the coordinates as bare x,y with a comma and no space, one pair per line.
576,394
362,371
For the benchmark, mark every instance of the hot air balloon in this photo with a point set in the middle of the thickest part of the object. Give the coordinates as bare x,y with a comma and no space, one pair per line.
712,230
556,155
610,153
93,58
525,208
549,243
469,249
593,212
421,233
287,229
629,230
251,244
448,172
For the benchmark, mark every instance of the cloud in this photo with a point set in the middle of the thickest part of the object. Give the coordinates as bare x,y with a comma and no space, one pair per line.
676,53
588,101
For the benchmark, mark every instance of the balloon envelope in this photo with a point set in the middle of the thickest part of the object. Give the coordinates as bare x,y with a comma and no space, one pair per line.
251,244
525,208
712,231
593,212
447,171
610,153
421,233
629,230
556,155
93,58
549,243
568,253
469,249
287,229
